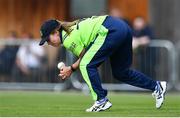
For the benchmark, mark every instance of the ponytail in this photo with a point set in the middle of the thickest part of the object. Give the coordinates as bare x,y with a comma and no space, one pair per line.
66,26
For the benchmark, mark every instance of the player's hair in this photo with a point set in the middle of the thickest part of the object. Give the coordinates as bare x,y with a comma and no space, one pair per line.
66,26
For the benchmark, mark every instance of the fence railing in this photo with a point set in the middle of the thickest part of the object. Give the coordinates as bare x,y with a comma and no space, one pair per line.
177,81
172,59
160,60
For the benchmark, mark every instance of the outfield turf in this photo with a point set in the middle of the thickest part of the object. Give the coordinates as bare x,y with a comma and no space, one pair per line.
28,103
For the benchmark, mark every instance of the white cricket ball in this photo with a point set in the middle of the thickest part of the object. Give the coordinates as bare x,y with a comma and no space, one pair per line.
60,65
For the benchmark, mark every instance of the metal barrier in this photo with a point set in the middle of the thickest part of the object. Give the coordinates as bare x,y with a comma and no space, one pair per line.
172,59
177,82
9,81
167,69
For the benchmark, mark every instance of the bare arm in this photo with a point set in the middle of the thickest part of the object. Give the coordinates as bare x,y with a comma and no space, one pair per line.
66,71
22,67
76,64
140,41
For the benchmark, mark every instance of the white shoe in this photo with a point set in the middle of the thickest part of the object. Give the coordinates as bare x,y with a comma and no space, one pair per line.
100,105
159,93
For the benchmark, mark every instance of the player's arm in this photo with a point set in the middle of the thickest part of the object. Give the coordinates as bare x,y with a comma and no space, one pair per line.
66,71
76,64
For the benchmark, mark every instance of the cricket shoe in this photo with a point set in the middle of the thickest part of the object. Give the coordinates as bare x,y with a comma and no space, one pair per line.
100,105
159,93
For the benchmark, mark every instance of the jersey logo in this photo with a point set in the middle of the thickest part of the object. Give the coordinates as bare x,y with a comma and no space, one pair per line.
73,46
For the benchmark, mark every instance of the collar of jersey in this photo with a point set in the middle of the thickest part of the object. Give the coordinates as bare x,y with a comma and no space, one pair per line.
64,36
61,36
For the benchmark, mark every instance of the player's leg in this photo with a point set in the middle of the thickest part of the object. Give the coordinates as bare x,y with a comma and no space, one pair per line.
121,61
94,56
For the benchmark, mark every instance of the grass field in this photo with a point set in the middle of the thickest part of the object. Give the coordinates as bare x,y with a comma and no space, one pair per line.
28,103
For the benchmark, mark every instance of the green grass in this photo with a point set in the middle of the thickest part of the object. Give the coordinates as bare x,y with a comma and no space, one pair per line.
28,103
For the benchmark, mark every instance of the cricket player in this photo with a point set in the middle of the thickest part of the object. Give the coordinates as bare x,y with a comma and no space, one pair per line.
93,40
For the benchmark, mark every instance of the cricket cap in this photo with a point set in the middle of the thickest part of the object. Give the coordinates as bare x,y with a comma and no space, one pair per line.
46,29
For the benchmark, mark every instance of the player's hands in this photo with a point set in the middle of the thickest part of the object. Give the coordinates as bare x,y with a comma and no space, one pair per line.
65,72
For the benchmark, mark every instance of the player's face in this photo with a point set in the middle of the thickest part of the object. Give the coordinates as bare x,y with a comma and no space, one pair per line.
54,39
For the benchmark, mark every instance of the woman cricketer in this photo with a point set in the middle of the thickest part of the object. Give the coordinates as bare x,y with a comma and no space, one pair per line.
94,40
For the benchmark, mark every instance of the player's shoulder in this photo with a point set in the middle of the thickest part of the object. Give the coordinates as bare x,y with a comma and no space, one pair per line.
93,17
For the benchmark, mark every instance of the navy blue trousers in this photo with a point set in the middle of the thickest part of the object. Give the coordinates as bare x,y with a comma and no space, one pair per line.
117,47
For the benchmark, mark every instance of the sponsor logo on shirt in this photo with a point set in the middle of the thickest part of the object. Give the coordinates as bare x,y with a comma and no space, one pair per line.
73,46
